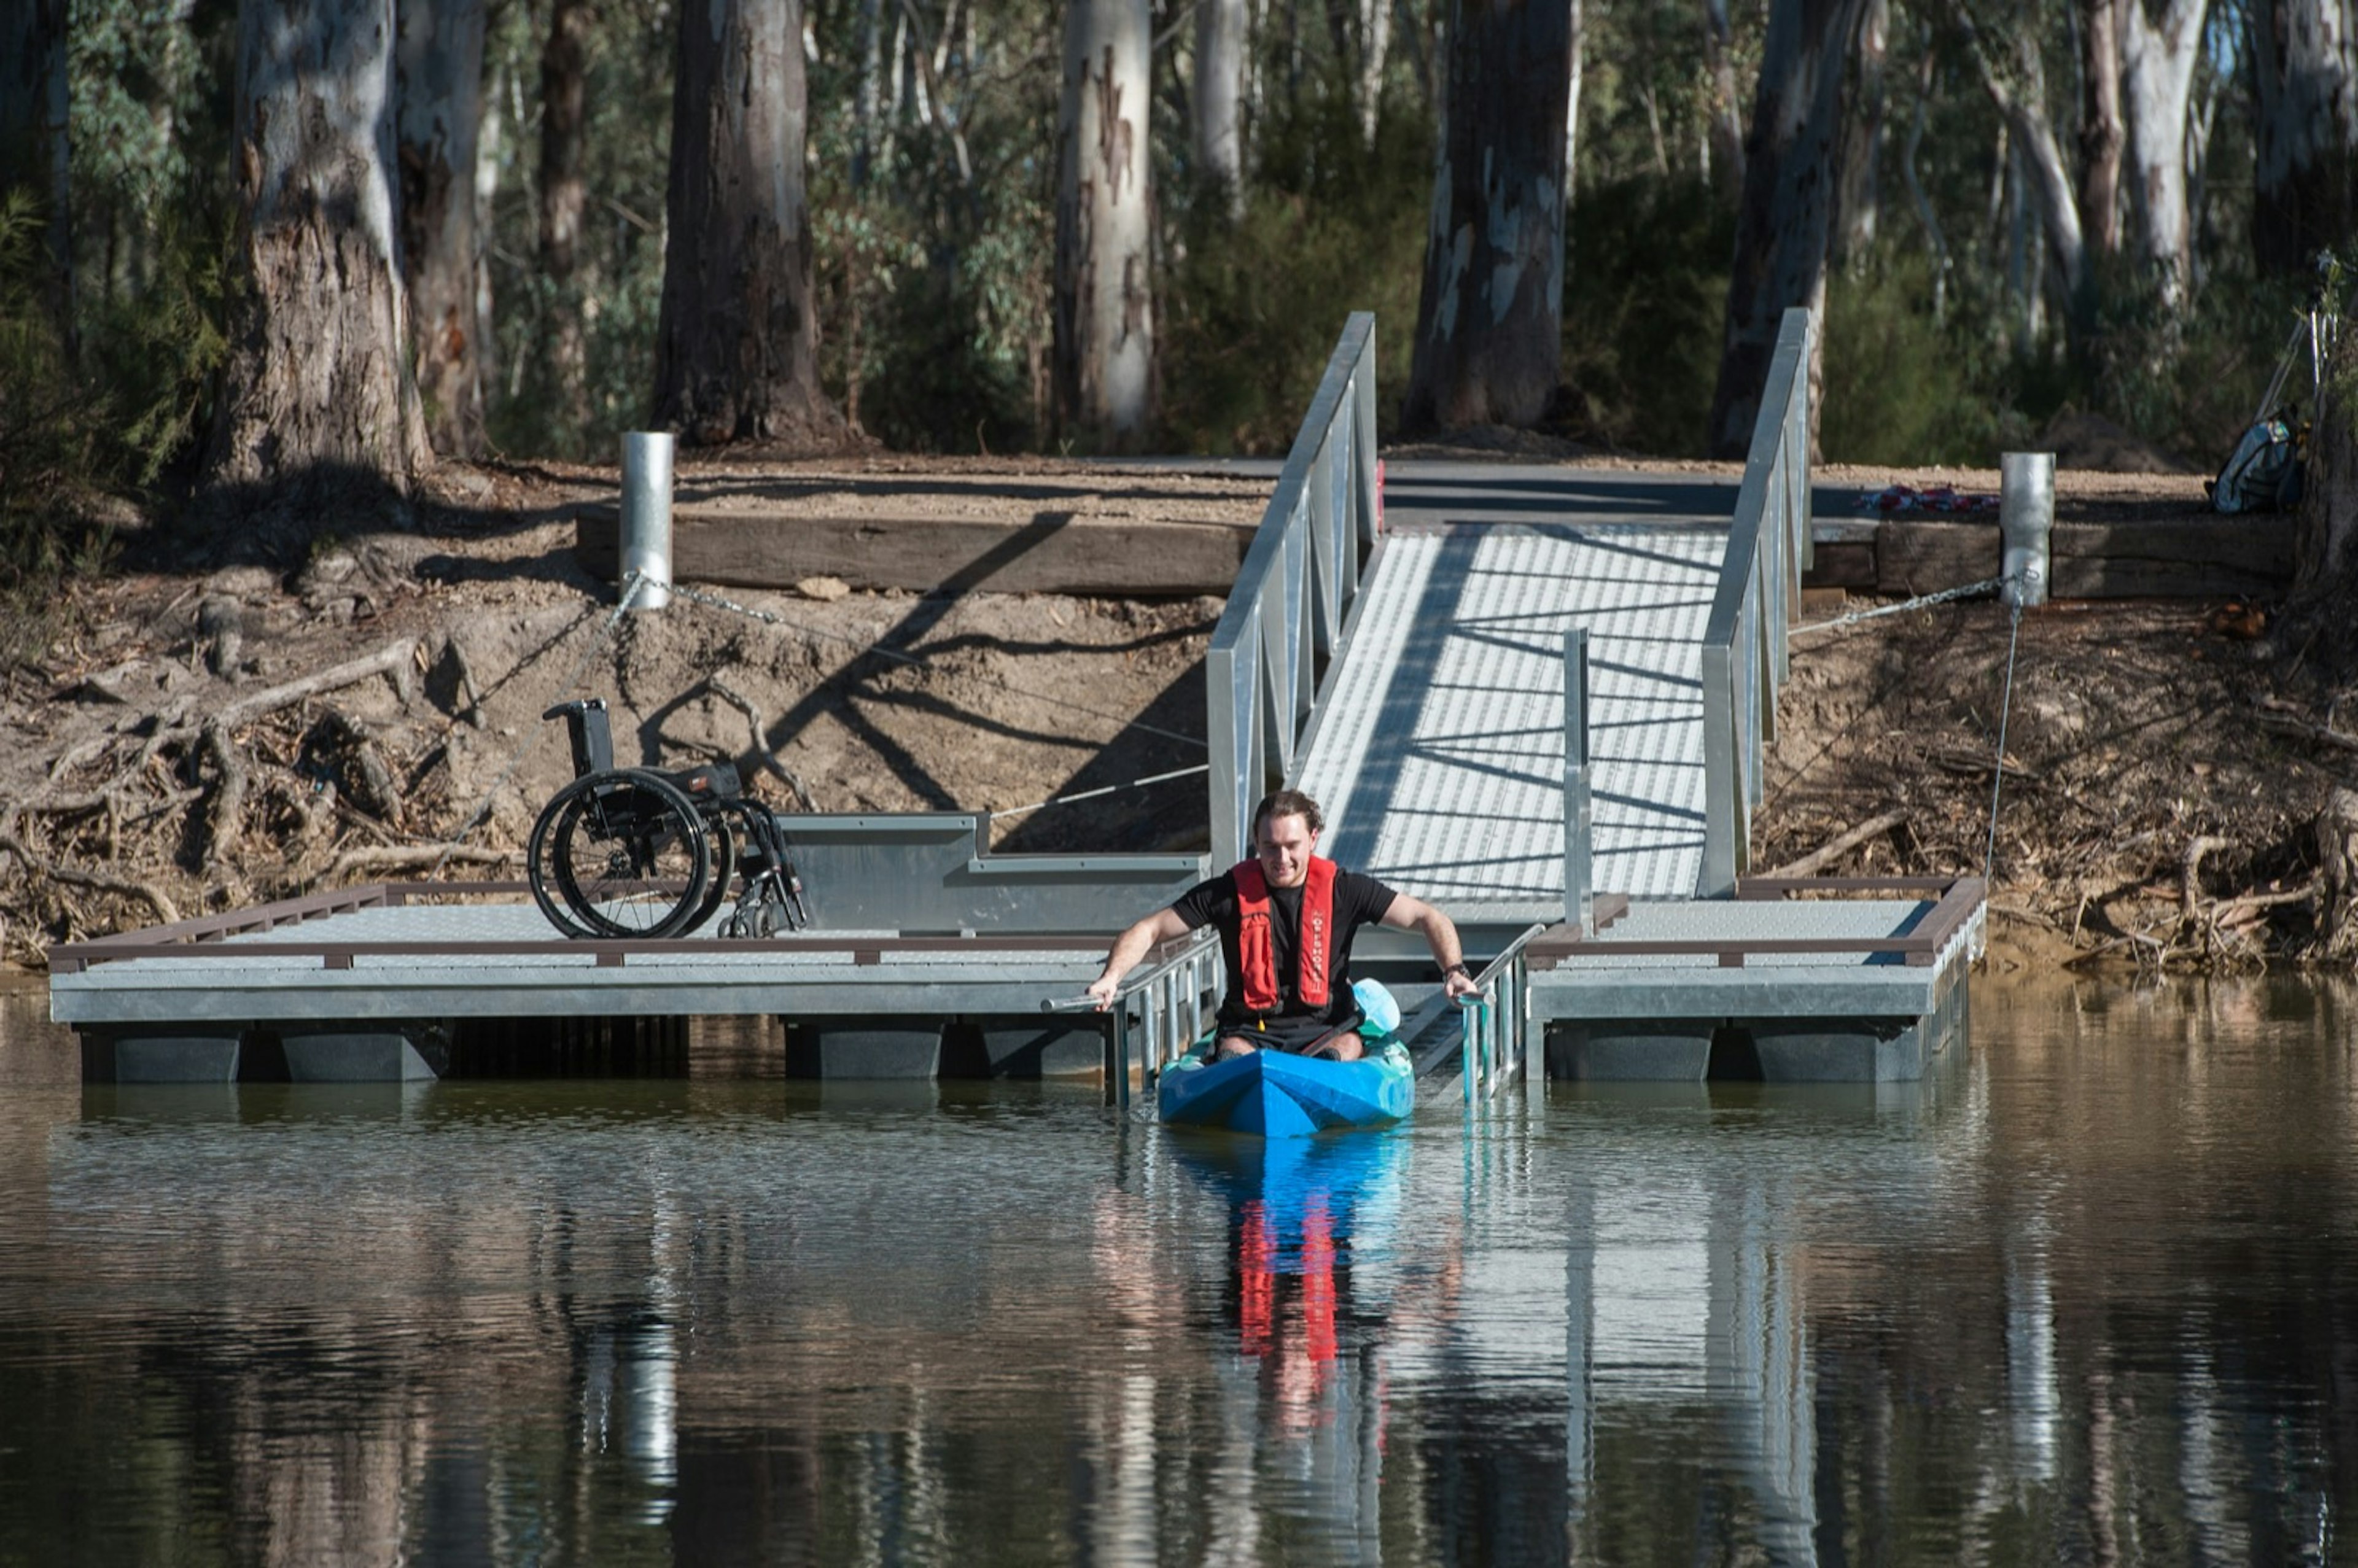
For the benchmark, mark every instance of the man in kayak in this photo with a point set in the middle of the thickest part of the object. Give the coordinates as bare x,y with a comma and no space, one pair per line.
1284,992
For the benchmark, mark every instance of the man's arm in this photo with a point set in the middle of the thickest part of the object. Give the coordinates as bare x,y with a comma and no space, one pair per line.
1129,948
1408,913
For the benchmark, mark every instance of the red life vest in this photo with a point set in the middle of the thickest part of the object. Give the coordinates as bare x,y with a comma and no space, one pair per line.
1314,943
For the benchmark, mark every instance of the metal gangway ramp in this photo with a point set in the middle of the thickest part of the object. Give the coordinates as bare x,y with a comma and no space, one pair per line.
1438,753
1541,699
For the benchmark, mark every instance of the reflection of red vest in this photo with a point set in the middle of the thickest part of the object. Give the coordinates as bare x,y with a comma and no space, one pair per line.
1313,945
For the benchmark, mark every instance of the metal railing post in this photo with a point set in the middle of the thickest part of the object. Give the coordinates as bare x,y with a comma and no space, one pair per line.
1368,509
1227,757
1744,656
1579,834
1722,789
1122,1056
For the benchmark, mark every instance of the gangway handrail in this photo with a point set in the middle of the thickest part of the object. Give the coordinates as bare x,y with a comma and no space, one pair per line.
1743,647
1172,986
1285,615
1495,1014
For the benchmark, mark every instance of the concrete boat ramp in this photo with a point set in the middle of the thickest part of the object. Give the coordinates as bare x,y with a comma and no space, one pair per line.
1537,698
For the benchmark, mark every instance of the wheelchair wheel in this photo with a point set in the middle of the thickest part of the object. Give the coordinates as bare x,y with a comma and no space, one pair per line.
620,854
723,857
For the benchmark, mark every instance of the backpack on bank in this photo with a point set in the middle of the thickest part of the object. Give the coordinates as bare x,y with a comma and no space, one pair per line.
2263,472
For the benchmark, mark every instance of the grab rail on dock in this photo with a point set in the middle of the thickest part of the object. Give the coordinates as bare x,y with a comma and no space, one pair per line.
1285,615
1495,1018
1744,652
1170,996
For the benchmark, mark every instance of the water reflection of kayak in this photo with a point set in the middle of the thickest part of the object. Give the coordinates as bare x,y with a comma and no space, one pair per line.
1303,1214
1277,1094
1352,1179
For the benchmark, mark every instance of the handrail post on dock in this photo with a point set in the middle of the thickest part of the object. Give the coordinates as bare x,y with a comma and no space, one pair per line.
647,515
1120,1064
1744,655
1579,841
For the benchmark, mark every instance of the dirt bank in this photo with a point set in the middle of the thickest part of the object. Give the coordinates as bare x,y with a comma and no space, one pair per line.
206,735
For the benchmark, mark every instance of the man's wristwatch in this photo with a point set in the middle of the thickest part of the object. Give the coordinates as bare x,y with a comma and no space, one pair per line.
1457,968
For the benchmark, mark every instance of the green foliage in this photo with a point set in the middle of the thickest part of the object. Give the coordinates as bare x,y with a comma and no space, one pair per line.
933,264
616,290
1645,308
49,442
934,282
1253,306
1900,389
76,429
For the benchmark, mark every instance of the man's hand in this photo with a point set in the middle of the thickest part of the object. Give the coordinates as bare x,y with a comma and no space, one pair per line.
1459,983
1129,948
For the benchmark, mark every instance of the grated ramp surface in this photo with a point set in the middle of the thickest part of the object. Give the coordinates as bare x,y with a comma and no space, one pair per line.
1439,756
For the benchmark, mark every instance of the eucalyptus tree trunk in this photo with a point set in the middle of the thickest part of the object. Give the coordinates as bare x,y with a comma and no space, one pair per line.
736,343
1103,359
1375,44
2305,65
1859,194
1782,221
2102,134
1578,50
2157,59
34,144
1489,316
2325,580
440,64
315,395
1725,138
2020,96
1218,100
867,94
564,85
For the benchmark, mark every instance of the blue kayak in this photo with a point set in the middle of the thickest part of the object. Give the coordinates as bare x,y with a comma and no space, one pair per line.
1273,1093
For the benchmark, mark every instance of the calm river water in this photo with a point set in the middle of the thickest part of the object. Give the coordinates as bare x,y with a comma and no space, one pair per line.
2092,1296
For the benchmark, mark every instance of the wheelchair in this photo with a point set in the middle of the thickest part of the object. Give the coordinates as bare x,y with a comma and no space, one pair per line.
639,852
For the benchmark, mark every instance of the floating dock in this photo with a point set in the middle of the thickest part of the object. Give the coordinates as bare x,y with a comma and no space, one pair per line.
1539,699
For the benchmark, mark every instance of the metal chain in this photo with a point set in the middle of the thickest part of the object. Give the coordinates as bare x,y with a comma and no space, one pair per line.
1987,585
769,617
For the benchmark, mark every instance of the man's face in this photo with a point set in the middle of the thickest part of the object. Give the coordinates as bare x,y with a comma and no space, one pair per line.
1283,846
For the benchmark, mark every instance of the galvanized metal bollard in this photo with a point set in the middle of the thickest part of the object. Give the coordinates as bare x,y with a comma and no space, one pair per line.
647,515
2026,523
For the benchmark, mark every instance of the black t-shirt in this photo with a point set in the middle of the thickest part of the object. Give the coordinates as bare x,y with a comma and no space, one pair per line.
1358,901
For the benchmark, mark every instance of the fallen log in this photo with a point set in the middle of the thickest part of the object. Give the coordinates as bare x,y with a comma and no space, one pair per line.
1817,860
